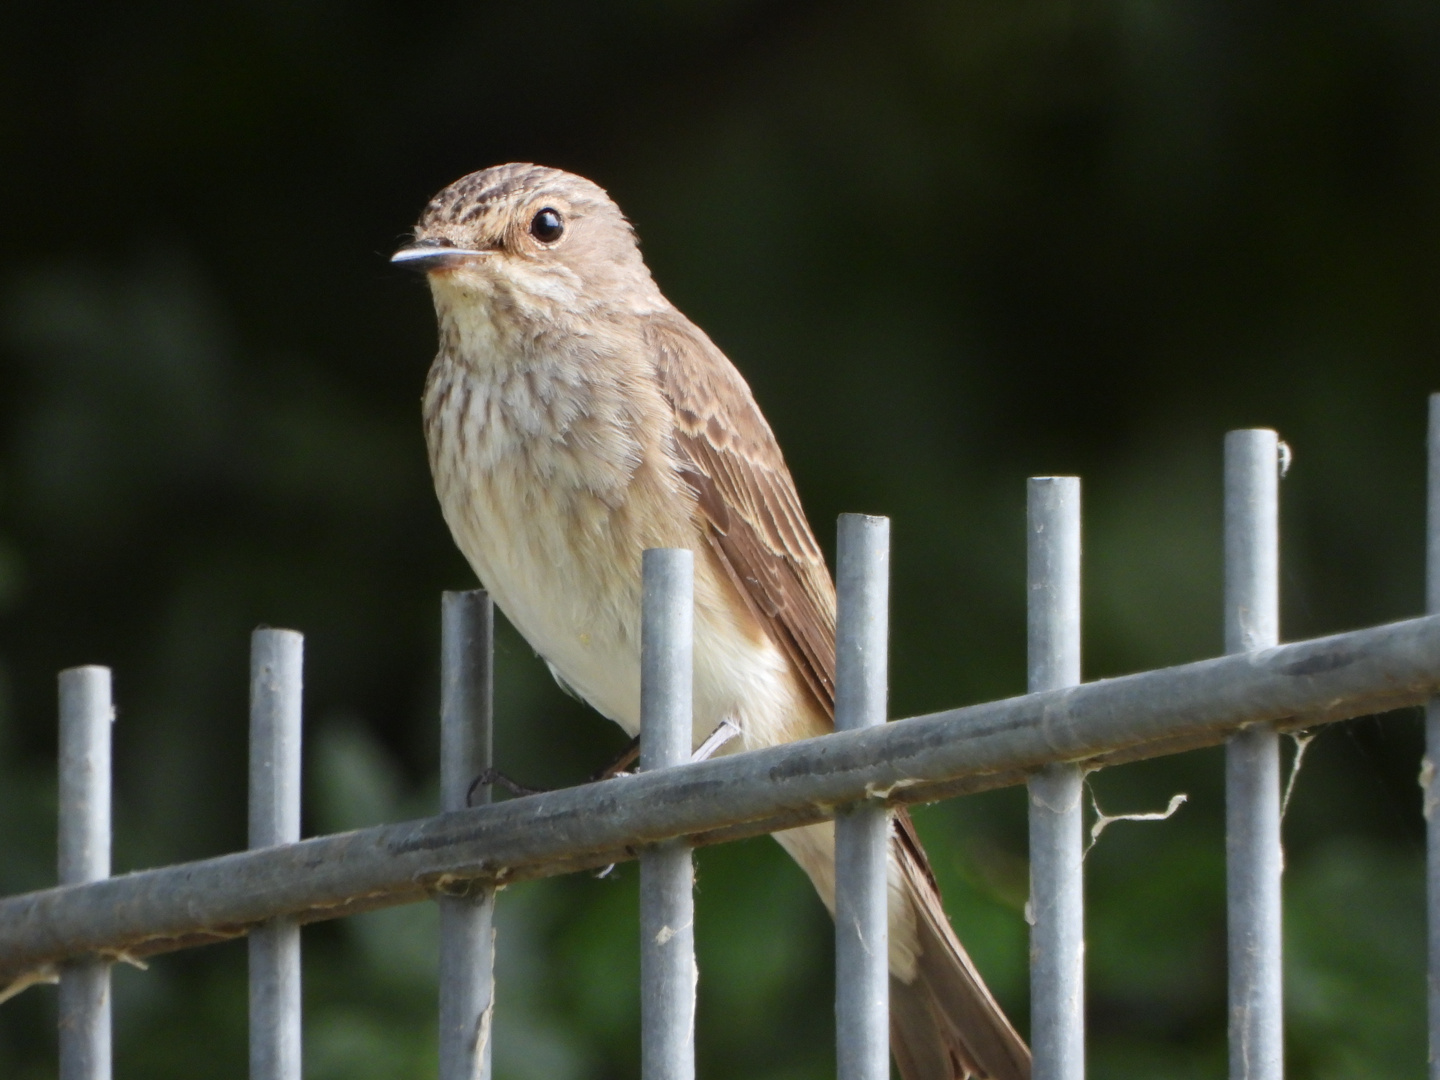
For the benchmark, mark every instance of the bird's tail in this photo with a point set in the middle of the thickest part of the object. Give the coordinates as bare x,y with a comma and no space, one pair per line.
944,1023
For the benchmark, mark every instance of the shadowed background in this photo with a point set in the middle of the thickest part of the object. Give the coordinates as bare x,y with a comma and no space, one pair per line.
949,245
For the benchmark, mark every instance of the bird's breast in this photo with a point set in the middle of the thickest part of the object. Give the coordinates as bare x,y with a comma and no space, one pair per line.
553,488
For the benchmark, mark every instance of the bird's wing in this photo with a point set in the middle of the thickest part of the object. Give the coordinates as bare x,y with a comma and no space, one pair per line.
945,1025
756,525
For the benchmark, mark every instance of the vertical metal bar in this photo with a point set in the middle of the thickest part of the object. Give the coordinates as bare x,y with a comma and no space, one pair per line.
667,903
276,677
862,833
1432,737
1252,761
1057,893
86,713
467,934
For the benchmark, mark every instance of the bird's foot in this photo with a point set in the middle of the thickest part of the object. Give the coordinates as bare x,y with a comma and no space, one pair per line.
621,765
495,776
724,731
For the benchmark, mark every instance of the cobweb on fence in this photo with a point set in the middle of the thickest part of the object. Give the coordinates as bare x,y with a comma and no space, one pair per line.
1103,820
1302,741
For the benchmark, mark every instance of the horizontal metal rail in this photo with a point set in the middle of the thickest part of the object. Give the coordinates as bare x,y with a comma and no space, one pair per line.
908,761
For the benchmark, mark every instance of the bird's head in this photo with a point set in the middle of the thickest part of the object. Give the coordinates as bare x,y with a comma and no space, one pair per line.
527,238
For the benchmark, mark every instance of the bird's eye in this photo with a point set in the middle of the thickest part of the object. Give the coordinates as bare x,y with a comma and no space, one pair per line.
546,226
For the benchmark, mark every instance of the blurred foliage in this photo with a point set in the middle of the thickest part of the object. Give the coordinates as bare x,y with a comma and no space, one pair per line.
950,245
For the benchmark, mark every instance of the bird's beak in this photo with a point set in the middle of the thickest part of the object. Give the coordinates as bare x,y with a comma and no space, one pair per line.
427,255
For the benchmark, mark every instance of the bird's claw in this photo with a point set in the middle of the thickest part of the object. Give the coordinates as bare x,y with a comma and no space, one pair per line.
495,776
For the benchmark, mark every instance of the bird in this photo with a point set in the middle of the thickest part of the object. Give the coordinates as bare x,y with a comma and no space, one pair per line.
574,418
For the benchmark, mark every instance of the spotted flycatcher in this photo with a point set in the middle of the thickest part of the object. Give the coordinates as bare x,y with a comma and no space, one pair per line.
575,418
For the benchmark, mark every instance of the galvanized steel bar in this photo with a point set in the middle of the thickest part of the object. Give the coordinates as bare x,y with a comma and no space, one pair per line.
276,674
862,830
86,714
921,759
1057,896
667,878
1432,737
467,935
1252,761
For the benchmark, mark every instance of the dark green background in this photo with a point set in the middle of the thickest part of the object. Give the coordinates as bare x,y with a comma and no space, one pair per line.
951,245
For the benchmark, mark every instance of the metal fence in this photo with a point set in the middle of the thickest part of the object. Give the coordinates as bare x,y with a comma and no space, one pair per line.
1048,739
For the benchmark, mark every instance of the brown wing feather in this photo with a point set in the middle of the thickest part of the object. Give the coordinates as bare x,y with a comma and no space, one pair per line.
757,526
